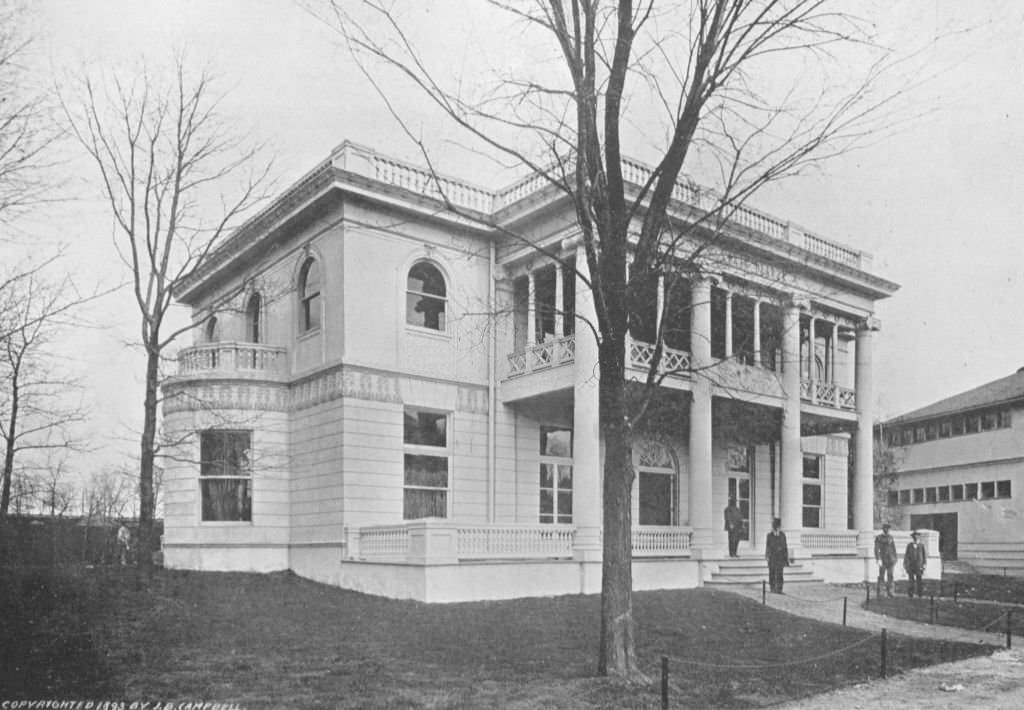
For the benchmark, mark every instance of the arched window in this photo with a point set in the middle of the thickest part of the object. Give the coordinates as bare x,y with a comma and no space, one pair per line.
309,296
658,483
426,297
252,318
212,330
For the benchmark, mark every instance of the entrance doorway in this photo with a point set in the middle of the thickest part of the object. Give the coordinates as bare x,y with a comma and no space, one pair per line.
946,524
739,488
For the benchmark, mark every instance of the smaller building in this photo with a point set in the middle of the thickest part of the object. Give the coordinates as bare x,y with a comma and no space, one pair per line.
957,466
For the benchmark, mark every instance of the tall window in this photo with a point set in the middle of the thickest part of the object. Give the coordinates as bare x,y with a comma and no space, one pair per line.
425,297
212,330
657,482
225,475
555,475
426,464
252,318
309,296
812,491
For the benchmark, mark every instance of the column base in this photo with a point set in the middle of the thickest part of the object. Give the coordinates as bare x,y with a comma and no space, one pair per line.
702,545
587,545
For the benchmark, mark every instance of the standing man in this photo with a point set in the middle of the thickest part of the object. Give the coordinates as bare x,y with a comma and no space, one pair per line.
885,556
776,551
914,562
733,526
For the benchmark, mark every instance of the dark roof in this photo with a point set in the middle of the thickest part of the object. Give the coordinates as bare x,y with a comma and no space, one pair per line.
1006,389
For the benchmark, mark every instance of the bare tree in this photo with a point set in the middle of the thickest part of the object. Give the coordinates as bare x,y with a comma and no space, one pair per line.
740,90
36,394
177,178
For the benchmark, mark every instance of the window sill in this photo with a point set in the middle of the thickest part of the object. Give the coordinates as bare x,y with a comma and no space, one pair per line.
427,332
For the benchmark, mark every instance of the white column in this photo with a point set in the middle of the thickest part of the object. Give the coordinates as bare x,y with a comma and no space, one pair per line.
700,435
757,332
833,353
728,324
531,310
559,298
812,350
586,494
791,470
863,488
661,300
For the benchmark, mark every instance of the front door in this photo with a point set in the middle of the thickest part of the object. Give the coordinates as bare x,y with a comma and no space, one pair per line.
739,488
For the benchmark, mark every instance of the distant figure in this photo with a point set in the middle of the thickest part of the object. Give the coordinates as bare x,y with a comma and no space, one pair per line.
124,543
914,561
885,556
733,526
776,551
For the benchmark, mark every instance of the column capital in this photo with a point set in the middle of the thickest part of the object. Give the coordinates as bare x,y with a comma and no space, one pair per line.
797,301
870,324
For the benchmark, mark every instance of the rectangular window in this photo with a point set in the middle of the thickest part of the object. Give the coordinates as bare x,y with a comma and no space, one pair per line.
959,426
973,424
425,436
919,434
919,495
930,495
957,491
1003,489
971,491
989,421
932,432
908,436
893,498
988,489
894,437
905,496
1005,419
812,491
943,494
225,475
555,475
945,429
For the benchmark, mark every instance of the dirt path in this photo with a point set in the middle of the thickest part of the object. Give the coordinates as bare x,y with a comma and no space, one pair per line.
995,681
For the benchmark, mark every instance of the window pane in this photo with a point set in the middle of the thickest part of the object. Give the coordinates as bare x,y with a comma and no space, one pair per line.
989,420
426,278
812,494
655,494
1003,489
425,428
957,491
310,278
988,489
565,477
425,311
1005,419
564,504
943,494
428,471
211,453
905,496
812,467
945,429
419,503
311,312
893,498
547,504
547,475
919,495
226,500
971,491
555,441
930,495
812,517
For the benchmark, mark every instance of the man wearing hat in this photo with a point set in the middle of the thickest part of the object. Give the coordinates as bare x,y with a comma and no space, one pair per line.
885,556
914,561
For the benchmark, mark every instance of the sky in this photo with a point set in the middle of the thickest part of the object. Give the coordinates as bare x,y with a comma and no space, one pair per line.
936,200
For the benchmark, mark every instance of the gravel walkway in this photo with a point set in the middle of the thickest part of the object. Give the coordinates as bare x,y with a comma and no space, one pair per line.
993,681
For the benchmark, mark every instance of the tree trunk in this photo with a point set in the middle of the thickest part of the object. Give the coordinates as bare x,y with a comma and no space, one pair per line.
144,543
617,654
10,441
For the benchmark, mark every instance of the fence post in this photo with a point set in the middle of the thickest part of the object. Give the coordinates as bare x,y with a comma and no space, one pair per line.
931,611
883,653
764,592
956,591
1009,639
844,611
867,588
664,683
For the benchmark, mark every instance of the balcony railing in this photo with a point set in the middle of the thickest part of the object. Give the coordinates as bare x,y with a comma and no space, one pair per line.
542,356
641,355
460,193
661,541
233,359
485,542
828,394
829,542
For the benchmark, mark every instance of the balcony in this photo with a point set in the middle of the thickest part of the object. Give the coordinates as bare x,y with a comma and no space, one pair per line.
233,360
542,356
828,394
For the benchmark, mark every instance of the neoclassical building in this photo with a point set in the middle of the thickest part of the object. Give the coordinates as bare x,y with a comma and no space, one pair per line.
392,389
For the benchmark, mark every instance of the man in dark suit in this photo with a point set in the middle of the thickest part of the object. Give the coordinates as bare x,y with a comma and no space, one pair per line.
733,526
776,551
914,561
885,556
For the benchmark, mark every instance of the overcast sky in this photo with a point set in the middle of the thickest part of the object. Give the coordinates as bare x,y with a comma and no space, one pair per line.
939,203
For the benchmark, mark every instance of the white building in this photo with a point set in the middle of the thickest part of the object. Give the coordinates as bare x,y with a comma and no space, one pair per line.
393,395
960,470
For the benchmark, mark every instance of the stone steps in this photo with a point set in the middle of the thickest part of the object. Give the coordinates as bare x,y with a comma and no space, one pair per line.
754,570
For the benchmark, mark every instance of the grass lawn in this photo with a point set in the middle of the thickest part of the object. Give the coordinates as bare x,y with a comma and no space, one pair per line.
963,613
277,641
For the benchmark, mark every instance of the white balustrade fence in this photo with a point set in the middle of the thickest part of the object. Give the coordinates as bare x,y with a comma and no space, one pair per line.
829,541
231,357
661,541
515,541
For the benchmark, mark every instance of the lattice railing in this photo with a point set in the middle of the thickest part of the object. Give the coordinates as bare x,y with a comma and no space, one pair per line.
661,541
550,353
828,394
641,355
515,541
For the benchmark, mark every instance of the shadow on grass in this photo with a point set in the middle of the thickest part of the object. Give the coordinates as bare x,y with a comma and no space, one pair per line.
281,641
